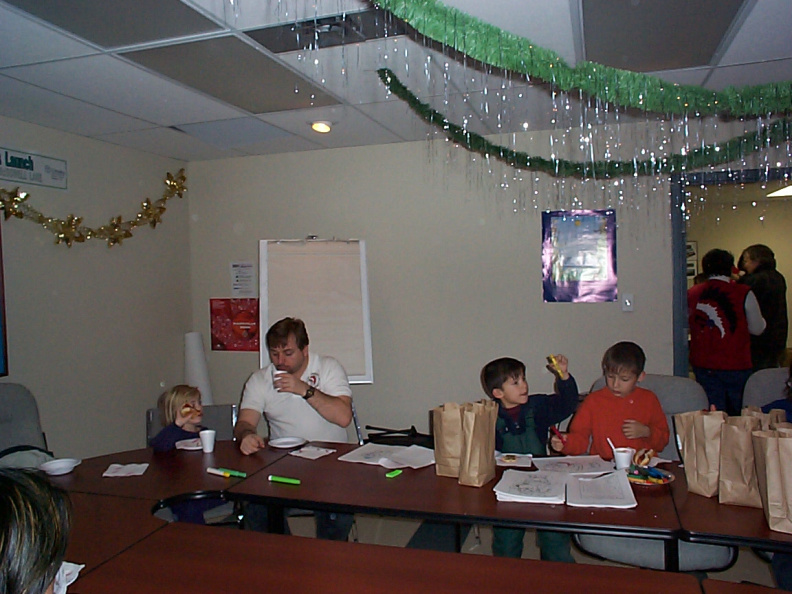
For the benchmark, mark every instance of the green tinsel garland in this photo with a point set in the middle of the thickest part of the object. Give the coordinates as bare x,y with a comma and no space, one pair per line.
498,48
715,154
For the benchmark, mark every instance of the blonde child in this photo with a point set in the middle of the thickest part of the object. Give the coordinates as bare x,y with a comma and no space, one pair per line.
181,413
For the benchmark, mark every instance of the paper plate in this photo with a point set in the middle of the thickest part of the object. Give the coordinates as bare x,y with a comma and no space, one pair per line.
189,444
59,466
287,442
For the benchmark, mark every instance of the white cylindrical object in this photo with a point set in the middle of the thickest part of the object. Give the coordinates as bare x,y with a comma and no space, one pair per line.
207,440
196,371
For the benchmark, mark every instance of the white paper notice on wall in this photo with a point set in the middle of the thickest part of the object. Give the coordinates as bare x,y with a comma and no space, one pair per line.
324,283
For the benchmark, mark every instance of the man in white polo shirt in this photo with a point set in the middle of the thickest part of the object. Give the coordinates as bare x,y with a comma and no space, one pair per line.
301,395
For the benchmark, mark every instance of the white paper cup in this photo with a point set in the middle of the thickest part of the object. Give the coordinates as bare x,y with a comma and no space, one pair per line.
208,440
623,457
276,373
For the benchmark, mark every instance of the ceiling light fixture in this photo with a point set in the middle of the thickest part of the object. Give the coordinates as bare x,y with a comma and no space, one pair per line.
320,127
782,193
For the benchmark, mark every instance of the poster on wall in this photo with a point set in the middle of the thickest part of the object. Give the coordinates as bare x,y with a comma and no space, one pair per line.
234,324
579,256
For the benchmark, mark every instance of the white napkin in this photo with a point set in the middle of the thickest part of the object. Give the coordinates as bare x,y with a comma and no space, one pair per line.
125,469
66,575
311,452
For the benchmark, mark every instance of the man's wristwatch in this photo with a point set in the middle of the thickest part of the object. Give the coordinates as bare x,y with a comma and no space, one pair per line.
309,392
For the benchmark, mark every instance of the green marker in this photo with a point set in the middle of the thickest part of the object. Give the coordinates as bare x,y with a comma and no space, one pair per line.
393,473
230,472
283,479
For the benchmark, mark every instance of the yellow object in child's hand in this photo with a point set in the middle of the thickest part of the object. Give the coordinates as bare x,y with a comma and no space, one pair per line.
554,364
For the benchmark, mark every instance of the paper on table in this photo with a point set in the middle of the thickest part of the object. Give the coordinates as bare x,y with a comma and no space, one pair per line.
67,573
375,453
125,469
311,452
414,456
609,490
531,487
574,464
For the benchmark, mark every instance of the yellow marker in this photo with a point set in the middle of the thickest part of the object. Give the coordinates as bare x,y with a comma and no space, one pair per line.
555,365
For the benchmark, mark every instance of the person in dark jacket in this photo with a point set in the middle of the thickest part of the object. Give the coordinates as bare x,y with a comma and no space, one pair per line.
522,428
759,264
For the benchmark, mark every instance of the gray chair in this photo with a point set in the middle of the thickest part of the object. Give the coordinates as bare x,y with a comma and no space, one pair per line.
220,417
19,418
765,386
676,395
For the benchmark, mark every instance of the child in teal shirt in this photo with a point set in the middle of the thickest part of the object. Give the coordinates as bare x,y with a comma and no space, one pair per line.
522,428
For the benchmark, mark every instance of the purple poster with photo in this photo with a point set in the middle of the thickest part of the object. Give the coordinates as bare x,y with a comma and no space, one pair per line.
579,255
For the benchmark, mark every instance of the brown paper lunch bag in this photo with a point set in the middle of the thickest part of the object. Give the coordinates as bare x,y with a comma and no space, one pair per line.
699,438
477,456
773,451
447,430
737,484
769,420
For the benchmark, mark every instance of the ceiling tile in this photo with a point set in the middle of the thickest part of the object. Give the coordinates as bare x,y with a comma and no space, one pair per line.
169,143
32,104
234,72
350,127
685,76
115,84
117,23
27,42
235,133
763,36
548,24
751,74
648,36
248,15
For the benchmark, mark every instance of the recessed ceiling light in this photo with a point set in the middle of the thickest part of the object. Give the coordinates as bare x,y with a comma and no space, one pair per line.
320,127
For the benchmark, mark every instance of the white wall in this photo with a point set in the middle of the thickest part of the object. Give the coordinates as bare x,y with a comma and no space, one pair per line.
454,276
95,333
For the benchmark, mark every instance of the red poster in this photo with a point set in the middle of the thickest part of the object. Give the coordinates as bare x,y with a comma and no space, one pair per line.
234,324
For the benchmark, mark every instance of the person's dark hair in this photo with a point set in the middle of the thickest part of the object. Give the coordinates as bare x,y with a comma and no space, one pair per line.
761,254
717,263
278,334
35,519
624,356
495,373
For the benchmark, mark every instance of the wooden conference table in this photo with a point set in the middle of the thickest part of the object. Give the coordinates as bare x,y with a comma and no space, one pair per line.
190,559
705,520
118,506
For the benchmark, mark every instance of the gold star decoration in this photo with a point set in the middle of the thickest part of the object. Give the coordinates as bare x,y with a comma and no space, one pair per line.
11,203
70,231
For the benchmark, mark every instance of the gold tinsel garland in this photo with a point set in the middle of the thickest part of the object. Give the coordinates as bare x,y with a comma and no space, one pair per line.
70,230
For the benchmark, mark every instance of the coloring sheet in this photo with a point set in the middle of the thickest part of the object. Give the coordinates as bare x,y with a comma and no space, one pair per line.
609,490
375,453
531,487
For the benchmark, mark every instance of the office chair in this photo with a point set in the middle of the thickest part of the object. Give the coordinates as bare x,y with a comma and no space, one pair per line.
19,418
22,442
676,395
220,417
765,386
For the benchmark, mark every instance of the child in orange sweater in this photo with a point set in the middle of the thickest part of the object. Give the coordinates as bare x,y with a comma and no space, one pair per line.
629,415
